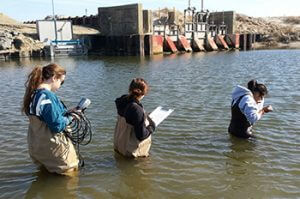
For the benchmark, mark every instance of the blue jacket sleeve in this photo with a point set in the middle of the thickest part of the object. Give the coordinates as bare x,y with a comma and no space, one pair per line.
54,116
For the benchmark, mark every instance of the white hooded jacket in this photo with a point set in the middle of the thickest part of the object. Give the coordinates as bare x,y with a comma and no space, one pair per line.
247,105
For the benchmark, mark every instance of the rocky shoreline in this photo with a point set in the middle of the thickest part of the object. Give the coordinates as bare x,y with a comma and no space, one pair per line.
21,40
279,32
14,42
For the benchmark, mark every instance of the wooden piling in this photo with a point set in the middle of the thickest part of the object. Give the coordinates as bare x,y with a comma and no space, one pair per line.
243,41
249,42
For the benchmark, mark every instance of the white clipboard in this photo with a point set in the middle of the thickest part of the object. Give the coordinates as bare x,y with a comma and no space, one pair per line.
159,114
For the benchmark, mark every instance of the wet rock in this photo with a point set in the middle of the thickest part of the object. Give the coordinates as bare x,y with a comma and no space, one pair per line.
14,33
5,34
25,43
5,43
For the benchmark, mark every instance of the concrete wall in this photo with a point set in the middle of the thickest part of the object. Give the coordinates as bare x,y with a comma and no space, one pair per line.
121,45
173,18
147,21
229,20
121,20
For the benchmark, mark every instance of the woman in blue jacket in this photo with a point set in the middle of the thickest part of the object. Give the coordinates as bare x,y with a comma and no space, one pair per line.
48,146
247,108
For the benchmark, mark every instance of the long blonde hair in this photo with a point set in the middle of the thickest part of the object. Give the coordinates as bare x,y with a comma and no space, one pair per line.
35,78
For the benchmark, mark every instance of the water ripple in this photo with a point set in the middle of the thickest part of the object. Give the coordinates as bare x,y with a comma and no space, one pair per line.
192,155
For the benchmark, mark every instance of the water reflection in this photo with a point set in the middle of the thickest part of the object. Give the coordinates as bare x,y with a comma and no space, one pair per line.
133,178
192,155
47,185
241,155
241,164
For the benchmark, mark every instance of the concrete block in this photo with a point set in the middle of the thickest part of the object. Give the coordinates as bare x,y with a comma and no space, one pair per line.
219,39
233,40
147,22
183,44
121,20
169,45
210,44
229,18
198,45
158,42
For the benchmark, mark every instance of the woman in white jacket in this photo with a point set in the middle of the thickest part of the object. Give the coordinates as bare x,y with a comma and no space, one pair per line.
247,108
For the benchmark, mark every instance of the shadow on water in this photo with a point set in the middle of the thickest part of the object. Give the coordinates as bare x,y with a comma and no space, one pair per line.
241,155
242,165
133,179
48,185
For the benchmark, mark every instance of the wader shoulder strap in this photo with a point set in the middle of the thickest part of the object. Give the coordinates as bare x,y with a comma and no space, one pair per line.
238,101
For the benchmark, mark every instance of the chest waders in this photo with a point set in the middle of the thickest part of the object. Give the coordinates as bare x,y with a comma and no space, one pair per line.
239,125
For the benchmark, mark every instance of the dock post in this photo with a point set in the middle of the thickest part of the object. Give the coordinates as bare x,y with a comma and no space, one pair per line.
249,42
243,41
148,44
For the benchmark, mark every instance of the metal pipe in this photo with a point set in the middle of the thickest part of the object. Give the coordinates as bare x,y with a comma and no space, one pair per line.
54,20
201,5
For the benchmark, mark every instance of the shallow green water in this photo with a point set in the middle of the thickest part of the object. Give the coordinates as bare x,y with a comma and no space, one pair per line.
192,155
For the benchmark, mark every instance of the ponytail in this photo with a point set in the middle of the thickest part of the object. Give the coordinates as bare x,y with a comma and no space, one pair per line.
34,79
253,86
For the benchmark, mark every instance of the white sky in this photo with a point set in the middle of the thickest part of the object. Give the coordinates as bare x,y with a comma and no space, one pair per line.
23,10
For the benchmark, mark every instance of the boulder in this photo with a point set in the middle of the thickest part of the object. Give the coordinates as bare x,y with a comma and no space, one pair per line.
14,33
5,43
18,43
5,34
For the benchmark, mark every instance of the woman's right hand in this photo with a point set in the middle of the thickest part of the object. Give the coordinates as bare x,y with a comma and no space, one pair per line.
268,109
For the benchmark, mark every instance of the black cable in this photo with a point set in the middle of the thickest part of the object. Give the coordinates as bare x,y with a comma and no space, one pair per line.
78,130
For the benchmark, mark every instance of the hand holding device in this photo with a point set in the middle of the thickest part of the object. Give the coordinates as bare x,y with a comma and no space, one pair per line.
83,104
268,109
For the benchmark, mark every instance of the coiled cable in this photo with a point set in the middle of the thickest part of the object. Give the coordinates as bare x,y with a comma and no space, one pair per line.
79,131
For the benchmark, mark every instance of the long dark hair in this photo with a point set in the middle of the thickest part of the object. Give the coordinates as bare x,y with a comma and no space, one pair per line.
138,87
36,77
253,86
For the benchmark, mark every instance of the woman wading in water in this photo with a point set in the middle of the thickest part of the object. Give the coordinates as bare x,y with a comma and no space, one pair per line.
133,130
48,146
247,108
